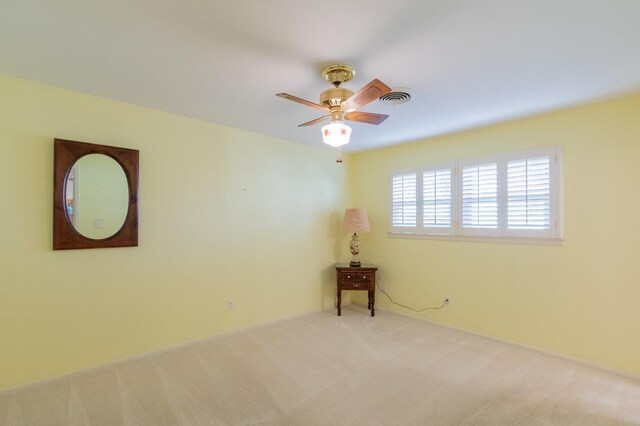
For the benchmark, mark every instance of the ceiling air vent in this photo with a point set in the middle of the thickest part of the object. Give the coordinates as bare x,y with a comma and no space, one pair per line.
397,96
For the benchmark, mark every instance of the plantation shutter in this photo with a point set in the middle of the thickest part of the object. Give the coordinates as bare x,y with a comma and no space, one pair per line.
516,197
436,198
480,196
403,199
528,193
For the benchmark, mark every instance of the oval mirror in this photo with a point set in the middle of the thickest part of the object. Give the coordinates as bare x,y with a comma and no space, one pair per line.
96,196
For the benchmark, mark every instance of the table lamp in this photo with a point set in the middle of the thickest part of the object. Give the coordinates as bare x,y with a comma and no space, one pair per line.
355,221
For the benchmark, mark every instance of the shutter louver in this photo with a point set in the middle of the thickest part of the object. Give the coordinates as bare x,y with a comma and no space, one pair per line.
436,198
480,196
404,200
528,194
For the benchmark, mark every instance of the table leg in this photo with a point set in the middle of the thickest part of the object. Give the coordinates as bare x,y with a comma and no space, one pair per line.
339,302
372,295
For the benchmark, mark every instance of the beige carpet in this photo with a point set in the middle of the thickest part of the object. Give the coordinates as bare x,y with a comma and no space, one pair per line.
329,370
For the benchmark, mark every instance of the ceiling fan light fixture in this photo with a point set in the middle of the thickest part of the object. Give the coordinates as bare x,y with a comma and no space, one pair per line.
336,134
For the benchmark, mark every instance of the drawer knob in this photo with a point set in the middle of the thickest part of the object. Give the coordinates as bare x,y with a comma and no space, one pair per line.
356,285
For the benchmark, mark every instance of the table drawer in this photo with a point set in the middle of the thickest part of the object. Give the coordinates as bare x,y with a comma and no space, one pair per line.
349,276
362,285
366,277
356,276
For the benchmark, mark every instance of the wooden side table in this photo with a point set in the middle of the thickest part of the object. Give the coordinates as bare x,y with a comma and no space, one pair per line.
357,278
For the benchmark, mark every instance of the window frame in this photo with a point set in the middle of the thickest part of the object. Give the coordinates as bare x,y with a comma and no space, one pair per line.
502,233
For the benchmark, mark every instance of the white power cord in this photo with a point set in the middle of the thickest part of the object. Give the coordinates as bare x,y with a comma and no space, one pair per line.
409,307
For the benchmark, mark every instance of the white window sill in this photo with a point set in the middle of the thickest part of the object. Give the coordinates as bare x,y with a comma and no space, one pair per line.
481,239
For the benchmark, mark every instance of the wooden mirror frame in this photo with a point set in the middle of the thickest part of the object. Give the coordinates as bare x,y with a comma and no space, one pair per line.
65,235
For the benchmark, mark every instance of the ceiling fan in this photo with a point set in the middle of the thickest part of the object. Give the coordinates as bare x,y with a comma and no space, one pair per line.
343,104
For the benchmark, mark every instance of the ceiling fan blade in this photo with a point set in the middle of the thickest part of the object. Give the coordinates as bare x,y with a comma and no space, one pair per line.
312,122
366,117
368,93
302,101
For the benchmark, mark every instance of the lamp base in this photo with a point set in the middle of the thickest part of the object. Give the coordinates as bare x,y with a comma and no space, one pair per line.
354,248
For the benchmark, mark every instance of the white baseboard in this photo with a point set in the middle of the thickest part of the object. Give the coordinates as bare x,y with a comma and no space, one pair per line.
584,363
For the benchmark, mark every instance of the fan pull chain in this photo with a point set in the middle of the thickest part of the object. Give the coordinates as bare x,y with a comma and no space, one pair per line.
339,157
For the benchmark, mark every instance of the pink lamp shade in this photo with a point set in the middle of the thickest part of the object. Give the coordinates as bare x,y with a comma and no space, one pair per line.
355,221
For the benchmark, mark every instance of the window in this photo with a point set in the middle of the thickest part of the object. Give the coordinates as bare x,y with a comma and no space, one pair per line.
528,193
508,196
404,200
436,198
480,196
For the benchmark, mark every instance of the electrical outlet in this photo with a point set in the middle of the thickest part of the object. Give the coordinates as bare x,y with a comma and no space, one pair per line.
231,305
447,301
383,287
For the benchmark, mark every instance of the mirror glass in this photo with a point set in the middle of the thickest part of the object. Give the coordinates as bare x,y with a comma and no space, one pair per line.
96,196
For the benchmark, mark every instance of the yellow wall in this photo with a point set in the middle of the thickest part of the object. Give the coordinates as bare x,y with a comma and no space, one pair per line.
227,214
581,299
223,213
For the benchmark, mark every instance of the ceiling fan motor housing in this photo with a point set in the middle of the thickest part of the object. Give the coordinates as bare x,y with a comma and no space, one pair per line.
335,96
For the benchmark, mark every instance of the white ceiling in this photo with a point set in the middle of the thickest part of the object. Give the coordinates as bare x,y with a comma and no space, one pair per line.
467,62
